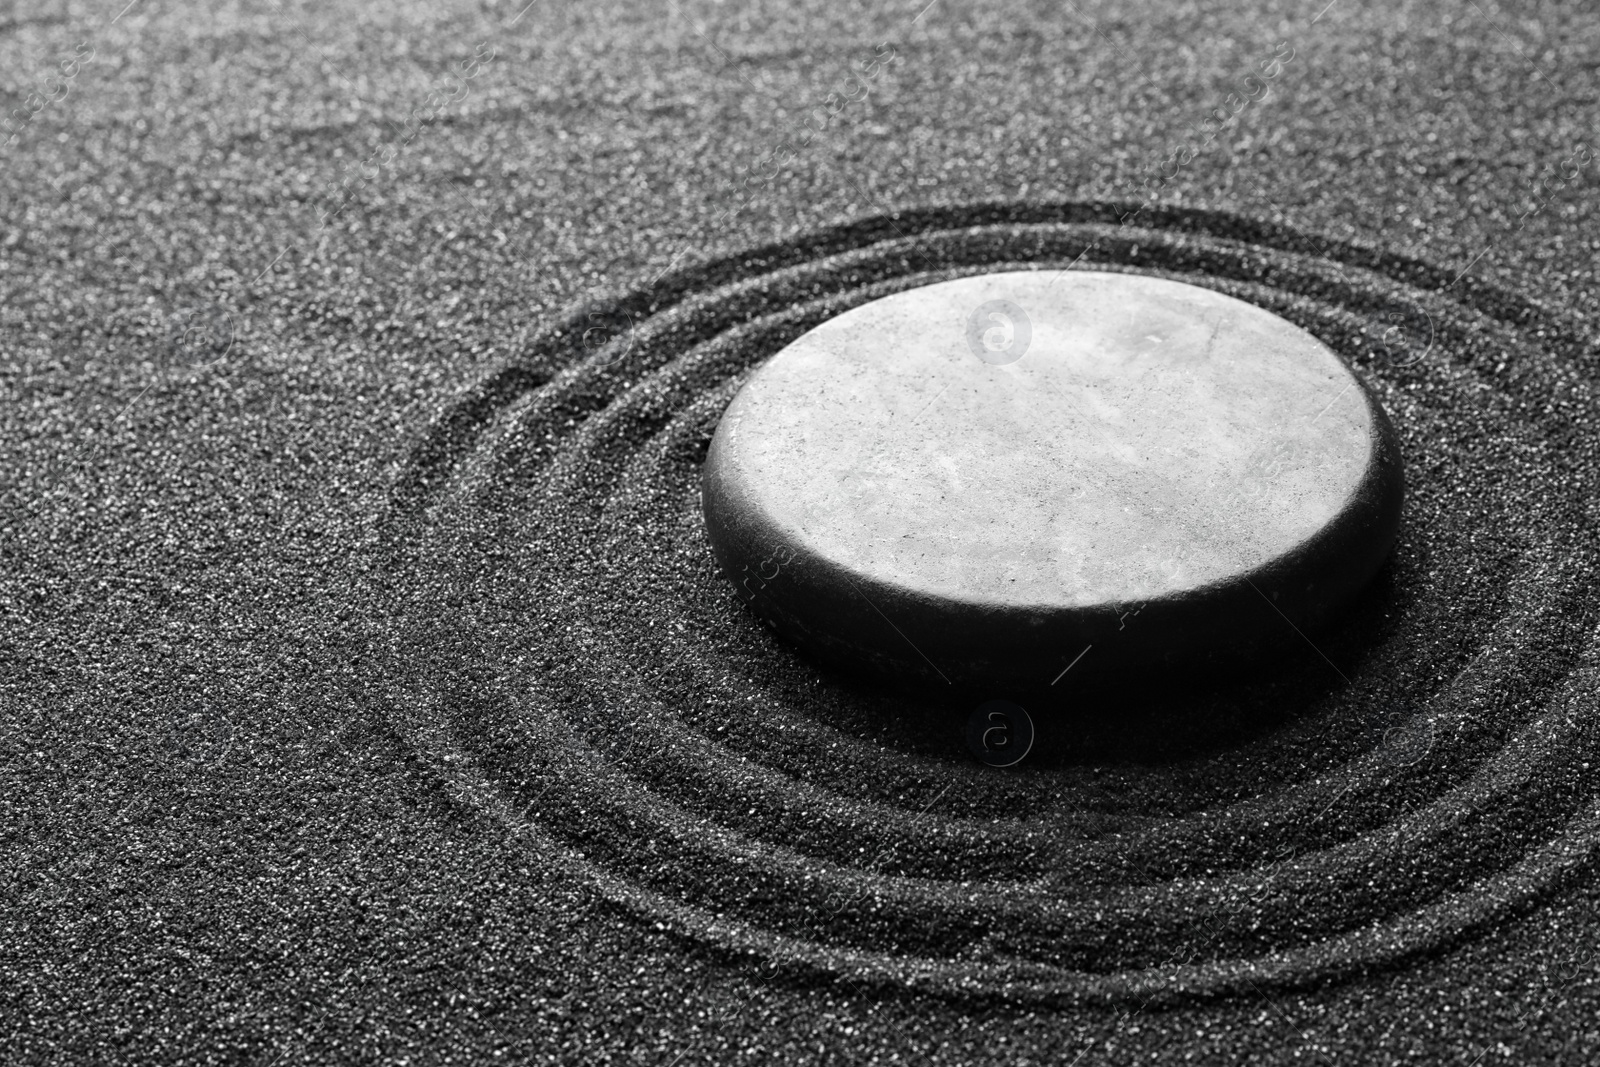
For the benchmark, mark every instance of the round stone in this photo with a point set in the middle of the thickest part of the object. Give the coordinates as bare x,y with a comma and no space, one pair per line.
995,480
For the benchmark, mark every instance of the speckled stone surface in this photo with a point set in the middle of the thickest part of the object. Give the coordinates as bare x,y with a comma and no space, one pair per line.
887,491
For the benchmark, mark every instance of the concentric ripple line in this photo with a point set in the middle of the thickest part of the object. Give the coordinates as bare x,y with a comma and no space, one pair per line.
859,987
886,848
1232,964
1090,247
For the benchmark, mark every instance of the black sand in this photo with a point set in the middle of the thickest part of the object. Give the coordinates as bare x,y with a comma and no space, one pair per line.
368,691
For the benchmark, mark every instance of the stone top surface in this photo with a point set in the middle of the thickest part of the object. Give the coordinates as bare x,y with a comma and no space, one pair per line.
1052,439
